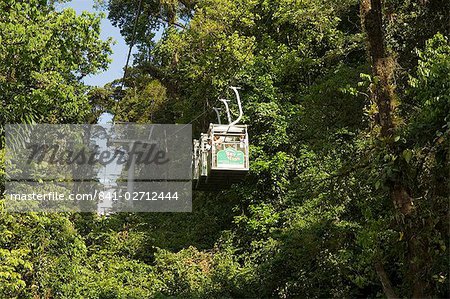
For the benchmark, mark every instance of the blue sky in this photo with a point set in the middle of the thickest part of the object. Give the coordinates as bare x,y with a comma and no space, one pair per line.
120,49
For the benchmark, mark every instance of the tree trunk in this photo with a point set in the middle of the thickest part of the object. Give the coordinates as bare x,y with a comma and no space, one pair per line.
382,64
385,282
384,96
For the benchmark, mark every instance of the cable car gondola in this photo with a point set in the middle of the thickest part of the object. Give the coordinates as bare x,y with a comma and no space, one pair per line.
221,156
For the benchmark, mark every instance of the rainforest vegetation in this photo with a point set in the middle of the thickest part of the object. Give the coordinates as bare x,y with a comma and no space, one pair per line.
348,108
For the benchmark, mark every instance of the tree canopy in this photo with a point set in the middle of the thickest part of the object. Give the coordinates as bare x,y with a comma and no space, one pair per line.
348,107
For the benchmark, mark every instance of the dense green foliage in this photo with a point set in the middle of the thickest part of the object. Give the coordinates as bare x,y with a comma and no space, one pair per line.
313,217
43,55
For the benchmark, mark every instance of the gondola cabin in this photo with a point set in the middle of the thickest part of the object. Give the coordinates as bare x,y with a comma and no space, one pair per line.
221,157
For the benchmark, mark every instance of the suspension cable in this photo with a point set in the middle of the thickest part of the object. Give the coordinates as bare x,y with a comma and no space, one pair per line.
133,38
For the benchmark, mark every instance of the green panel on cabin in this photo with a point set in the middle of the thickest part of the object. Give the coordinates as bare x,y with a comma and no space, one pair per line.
230,157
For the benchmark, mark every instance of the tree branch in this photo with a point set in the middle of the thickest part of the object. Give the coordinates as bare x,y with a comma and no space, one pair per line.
385,281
